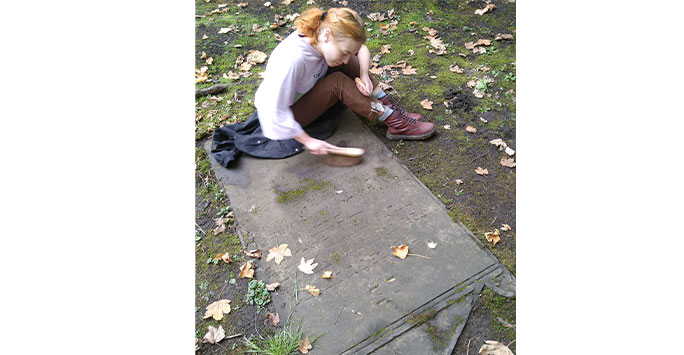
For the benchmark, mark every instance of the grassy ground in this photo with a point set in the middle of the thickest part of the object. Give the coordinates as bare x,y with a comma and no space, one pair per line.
481,203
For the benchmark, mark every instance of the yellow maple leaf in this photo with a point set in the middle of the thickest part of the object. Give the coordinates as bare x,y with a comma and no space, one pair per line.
246,271
278,253
400,251
217,309
313,290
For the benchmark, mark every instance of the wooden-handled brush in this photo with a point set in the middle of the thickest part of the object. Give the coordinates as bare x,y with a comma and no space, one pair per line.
344,156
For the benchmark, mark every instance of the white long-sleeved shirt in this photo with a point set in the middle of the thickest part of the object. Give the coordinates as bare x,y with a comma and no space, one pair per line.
292,70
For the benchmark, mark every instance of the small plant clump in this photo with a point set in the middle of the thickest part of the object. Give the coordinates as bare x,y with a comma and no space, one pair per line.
257,294
224,211
283,343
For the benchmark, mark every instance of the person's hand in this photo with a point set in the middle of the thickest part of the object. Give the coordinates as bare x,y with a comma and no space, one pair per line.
369,84
317,146
363,84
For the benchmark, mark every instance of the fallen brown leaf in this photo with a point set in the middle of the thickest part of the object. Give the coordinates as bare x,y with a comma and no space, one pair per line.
214,335
278,253
376,16
313,290
217,309
226,258
304,345
246,271
254,253
409,70
494,348
308,266
459,181
471,129
502,36
327,274
278,37
201,75
471,83
488,8
493,237
499,143
275,318
427,104
510,151
454,68
273,286
203,56
231,75
255,57
287,2
481,171
385,49
508,162
505,227
205,36
400,251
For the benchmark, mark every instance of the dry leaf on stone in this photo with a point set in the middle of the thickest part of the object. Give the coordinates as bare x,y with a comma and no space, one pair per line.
304,345
505,227
254,253
272,287
327,274
488,8
408,70
278,253
508,162
313,290
471,129
454,68
432,245
494,348
385,49
275,318
400,251
481,171
217,309
246,271
427,104
493,237
306,266
509,151
214,335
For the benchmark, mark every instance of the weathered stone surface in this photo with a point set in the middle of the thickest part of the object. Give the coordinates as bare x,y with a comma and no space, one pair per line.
347,220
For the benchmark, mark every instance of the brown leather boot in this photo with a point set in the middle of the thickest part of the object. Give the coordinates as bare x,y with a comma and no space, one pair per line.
401,126
387,101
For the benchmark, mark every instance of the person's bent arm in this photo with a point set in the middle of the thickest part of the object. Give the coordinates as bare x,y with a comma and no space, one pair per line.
315,146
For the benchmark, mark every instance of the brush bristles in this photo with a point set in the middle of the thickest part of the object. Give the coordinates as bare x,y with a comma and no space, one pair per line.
341,161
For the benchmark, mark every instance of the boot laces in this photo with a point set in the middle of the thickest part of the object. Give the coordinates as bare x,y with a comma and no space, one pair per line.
405,117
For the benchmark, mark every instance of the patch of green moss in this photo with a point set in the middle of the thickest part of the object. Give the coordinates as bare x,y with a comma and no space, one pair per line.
421,318
502,307
290,195
440,338
382,332
335,258
380,171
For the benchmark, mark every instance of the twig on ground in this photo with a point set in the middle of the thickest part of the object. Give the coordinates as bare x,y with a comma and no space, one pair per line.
200,228
426,257
468,347
234,336
338,314
478,157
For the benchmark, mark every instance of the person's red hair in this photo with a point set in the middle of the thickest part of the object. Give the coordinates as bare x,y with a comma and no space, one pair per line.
342,22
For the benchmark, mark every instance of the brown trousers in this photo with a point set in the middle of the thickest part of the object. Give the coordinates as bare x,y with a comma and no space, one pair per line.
337,85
